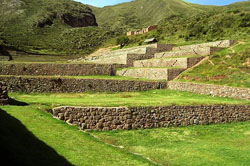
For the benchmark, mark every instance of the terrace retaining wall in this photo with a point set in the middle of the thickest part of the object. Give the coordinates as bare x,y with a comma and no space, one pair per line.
57,69
120,118
4,99
214,90
62,85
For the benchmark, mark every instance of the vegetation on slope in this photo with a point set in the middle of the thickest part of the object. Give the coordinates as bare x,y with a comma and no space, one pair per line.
228,67
139,13
227,24
50,27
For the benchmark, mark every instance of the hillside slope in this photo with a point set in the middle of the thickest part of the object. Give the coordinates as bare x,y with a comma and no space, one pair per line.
49,26
228,67
138,13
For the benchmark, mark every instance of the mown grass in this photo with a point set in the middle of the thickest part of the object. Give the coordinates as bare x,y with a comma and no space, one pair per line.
76,147
109,99
228,67
213,145
200,145
47,137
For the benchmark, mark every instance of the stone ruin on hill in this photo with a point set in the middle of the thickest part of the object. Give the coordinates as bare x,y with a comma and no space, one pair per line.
142,31
4,99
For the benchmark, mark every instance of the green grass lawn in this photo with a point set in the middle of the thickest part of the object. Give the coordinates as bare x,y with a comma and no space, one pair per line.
213,145
148,98
48,141
107,77
76,147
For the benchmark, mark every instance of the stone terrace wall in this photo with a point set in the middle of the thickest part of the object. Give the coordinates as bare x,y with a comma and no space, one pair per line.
150,73
3,94
119,118
222,44
60,85
214,90
56,69
169,62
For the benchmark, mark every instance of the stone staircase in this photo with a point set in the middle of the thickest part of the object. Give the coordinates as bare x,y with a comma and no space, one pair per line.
167,65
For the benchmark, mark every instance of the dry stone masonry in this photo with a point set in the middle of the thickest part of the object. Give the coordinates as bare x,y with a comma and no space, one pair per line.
220,44
36,69
4,99
151,73
170,63
187,52
63,85
214,90
123,118
125,56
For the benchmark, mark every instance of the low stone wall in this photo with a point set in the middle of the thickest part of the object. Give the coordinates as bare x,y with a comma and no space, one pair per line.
56,69
186,52
222,44
4,99
164,47
214,90
150,73
62,85
125,58
120,118
169,62
131,58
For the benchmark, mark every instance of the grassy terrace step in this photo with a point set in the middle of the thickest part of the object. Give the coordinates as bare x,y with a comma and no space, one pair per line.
154,73
184,62
162,97
102,77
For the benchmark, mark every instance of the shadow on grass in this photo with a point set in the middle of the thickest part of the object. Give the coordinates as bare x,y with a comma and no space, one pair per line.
20,147
17,103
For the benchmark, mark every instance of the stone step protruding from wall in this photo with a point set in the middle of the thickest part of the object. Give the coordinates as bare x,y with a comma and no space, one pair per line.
4,99
169,62
151,73
124,118
222,44
187,52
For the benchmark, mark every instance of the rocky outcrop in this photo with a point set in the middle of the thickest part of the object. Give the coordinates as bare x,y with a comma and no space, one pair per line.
79,21
73,14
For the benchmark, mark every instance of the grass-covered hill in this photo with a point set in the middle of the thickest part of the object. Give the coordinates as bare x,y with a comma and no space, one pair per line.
59,27
139,13
49,26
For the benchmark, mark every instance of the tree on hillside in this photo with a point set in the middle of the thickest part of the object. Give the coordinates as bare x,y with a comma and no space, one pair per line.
122,41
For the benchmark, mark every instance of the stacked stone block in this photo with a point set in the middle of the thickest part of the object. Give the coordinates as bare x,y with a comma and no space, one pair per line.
4,99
